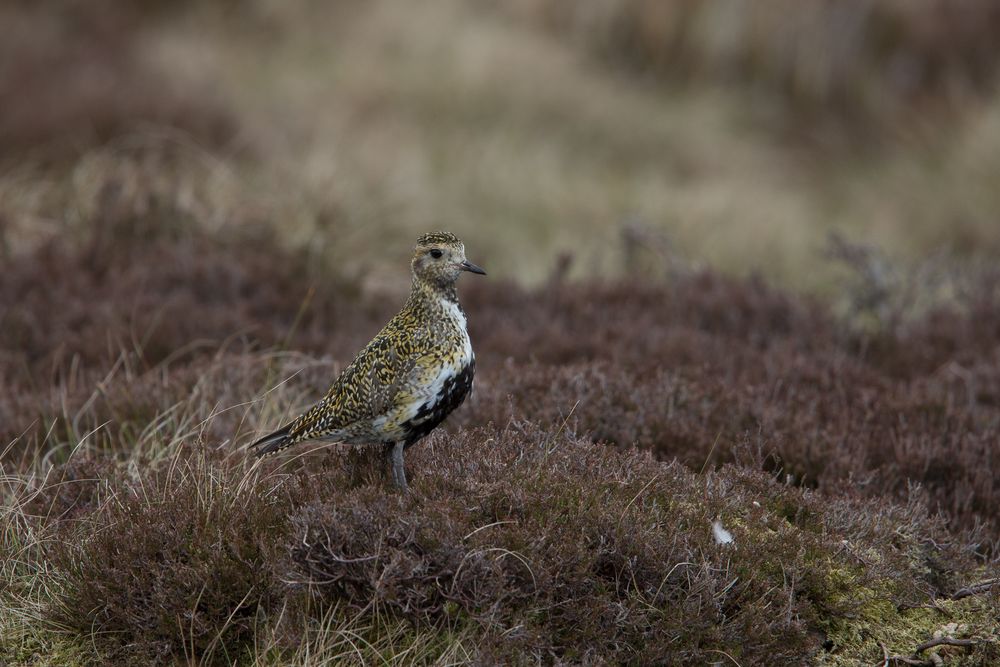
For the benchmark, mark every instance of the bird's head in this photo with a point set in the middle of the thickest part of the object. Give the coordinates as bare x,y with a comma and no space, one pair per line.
439,259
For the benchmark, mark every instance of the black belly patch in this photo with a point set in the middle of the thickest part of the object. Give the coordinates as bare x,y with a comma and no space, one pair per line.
432,413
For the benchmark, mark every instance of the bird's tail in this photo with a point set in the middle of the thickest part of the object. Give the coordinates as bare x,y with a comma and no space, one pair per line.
273,442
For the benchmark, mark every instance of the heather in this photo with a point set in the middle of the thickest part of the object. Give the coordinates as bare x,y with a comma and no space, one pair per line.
565,515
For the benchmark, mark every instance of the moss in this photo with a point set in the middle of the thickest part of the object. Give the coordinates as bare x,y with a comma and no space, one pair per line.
39,648
859,638
856,607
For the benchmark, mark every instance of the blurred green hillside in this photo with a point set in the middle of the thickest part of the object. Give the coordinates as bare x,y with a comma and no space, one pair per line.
633,135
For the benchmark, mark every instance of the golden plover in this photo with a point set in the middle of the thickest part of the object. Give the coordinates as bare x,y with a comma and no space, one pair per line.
411,376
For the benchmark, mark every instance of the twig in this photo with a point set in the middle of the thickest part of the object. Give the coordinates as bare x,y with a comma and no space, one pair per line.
975,589
735,662
946,641
934,659
903,660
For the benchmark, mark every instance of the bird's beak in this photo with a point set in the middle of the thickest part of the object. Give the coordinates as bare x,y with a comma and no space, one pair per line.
472,268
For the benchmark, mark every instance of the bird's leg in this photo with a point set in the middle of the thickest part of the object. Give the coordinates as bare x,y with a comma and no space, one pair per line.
398,471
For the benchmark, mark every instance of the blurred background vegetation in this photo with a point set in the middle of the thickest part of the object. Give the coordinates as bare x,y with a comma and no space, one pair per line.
631,135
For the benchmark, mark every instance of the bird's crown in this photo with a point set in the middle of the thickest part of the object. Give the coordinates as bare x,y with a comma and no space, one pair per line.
438,238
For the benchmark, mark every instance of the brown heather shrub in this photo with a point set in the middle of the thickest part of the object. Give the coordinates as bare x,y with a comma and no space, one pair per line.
144,280
540,545
174,564
555,548
694,370
691,370
563,517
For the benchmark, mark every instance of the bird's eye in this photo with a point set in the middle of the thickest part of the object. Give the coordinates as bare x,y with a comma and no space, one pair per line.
436,254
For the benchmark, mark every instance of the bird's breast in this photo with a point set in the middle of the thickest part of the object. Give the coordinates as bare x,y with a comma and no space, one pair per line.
447,392
452,347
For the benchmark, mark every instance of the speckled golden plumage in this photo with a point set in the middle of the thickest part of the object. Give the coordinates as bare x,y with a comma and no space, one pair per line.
410,376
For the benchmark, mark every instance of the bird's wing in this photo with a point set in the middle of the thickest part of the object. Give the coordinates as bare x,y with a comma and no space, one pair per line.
387,377
367,387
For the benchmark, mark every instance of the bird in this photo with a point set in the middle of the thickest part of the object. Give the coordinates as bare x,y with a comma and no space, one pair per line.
416,371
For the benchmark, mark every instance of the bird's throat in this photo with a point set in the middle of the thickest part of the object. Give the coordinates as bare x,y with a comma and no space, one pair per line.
432,291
